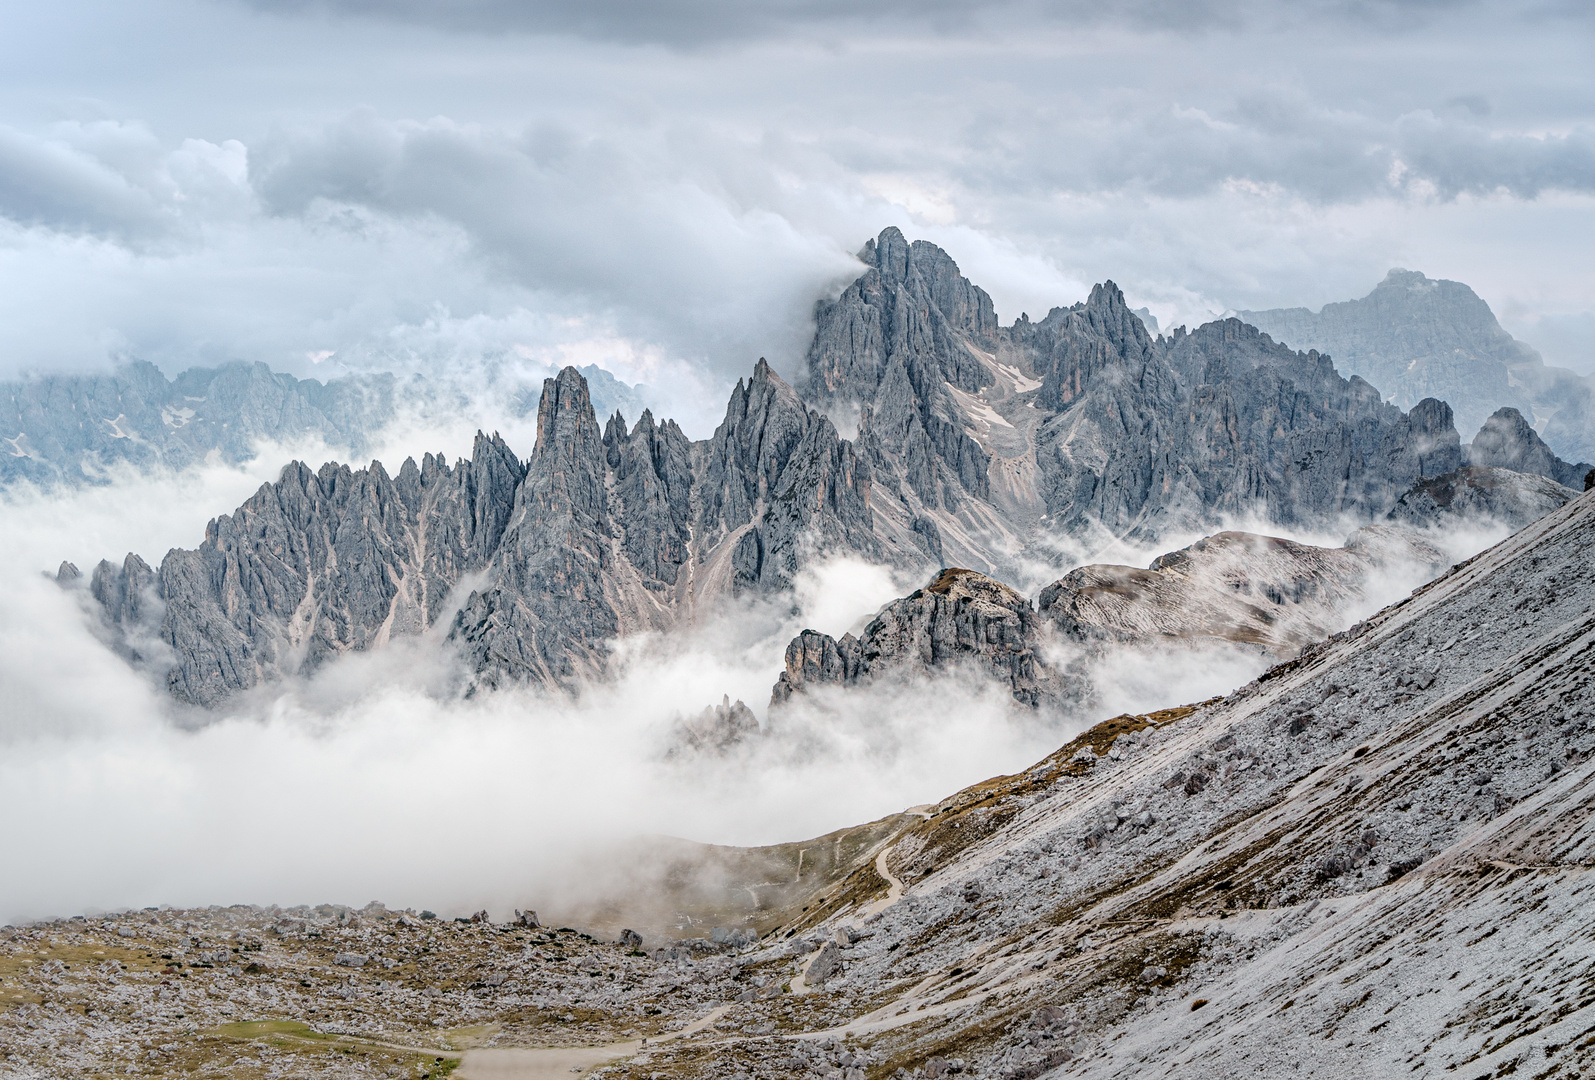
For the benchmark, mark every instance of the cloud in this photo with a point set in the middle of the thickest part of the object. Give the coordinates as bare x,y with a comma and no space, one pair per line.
397,187
679,233
699,23
375,778
59,186
372,776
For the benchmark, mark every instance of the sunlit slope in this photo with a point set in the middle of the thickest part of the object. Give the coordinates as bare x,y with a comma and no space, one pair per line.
1375,860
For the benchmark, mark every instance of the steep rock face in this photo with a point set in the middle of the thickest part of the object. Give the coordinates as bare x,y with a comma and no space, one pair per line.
1106,455
1076,346
961,617
1219,421
1507,441
1233,586
1083,422
1266,427
1415,337
71,429
1484,494
323,562
891,350
774,475
595,535
653,485
546,618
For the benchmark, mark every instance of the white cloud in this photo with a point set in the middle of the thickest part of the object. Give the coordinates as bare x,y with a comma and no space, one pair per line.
367,178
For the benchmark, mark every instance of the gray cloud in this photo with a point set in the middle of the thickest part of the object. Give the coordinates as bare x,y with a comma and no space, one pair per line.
311,182
56,185
695,23
668,231
1465,158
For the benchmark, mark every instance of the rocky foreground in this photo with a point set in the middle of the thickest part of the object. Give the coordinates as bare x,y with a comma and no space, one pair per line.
1373,861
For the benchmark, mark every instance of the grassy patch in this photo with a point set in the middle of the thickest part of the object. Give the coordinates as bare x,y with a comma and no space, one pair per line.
295,1037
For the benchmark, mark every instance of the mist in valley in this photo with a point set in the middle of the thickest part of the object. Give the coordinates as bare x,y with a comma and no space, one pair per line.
376,777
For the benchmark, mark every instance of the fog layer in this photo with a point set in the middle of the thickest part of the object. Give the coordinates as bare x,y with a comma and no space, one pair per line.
376,779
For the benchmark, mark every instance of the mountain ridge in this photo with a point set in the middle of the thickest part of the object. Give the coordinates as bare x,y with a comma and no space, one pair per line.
977,445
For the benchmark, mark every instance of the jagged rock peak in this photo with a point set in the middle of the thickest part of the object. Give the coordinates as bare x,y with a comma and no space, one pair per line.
1508,441
565,414
923,264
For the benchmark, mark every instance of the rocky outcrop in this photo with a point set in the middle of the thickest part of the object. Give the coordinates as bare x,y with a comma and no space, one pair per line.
1481,494
717,730
75,428
1507,441
1233,587
129,599
960,619
1266,591
1415,337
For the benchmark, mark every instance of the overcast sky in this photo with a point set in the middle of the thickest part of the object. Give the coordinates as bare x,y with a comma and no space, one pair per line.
665,186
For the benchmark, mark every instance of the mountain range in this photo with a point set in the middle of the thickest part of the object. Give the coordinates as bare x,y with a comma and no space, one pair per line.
74,430
1365,862
970,444
1416,337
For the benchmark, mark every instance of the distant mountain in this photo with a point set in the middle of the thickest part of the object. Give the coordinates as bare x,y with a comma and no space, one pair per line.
72,429
976,445
1414,337
1507,441
76,429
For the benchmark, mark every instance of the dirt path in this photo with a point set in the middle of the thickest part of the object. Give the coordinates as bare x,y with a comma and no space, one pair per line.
894,893
894,886
547,1063
544,1064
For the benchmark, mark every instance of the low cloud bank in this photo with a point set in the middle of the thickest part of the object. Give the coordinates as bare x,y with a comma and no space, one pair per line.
375,779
